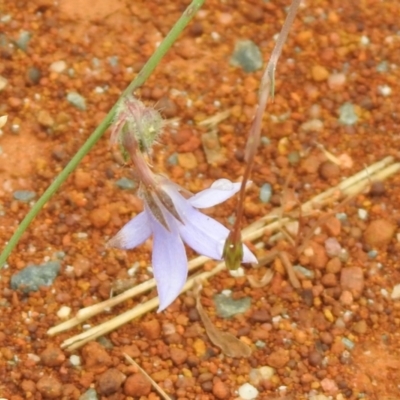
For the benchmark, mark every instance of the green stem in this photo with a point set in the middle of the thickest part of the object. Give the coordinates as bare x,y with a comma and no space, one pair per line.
99,131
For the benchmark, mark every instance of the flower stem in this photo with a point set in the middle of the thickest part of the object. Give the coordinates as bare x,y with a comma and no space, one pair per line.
233,241
99,131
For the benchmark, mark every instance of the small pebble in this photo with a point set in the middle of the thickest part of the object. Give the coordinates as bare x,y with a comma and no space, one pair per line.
52,357
125,183
329,170
247,392
247,55
278,358
90,394
75,360
137,385
265,193
347,114
49,387
45,119
24,195
395,292
76,100
319,73
64,312
178,356
220,390
352,279
3,83
95,357
110,381
187,160
151,329
99,217
379,233
58,66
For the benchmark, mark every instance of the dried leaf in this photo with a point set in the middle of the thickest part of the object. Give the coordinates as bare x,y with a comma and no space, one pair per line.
230,345
264,281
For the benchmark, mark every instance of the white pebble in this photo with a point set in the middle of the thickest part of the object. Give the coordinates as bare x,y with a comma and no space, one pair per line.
247,392
267,372
75,360
396,292
362,214
64,312
58,66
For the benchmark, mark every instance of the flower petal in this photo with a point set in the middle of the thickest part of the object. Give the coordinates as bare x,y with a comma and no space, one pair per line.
134,233
220,191
169,261
248,256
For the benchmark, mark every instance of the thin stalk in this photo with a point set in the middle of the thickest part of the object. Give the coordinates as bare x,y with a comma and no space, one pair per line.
99,131
266,87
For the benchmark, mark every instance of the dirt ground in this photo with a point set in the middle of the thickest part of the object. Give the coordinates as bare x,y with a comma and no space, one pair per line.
336,111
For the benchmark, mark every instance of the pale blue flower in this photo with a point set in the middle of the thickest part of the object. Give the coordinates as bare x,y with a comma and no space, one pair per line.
174,222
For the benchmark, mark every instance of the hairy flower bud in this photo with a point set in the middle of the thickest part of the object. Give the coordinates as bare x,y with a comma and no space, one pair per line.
142,123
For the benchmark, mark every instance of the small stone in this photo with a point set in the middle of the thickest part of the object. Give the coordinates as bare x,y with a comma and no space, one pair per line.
396,292
329,170
82,179
23,39
360,327
312,125
329,280
319,73
33,76
178,356
254,13
75,360
352,279
58,66
32,277
137,385
314,358
44,118
96,358
212,148
333,247
261,316
151,329
377,188
168,107
52,357
227,307
110,381
334,265
318,258
3,83
329,386
220,390
64,312
199,347
347,114
336,81
99,217
247,55
24,195
76,100
278,359
346,298
187,160
125,183
333,226
49,387
90,394
247,392
265,193
379,233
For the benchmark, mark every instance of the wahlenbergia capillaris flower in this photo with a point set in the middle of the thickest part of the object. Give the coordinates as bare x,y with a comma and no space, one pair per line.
169,217
171,226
